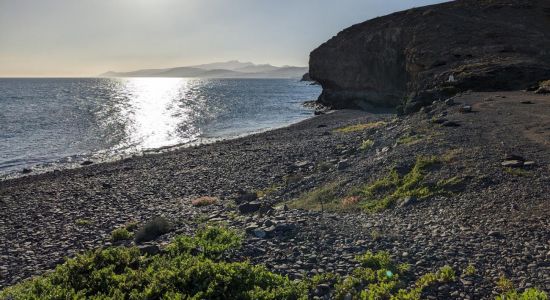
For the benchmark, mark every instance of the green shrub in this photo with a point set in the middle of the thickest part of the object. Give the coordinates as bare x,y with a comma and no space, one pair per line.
360,127
210,242
123,273
504,284
470,270
385,192
120,234
379,277
131,226
153,229
528,294
366,145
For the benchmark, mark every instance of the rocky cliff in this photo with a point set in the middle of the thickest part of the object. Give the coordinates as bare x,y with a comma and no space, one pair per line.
410,58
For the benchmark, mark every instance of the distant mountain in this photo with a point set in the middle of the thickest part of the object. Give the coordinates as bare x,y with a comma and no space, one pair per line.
230,69
228,65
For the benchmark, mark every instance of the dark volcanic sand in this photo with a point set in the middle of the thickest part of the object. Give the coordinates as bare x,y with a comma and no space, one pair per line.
498,221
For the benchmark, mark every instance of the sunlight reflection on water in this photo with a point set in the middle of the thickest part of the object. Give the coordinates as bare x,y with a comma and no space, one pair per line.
153,113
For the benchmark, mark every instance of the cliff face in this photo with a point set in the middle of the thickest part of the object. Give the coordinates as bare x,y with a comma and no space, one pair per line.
413,57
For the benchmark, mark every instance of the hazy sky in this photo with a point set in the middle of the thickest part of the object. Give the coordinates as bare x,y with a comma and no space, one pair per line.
88,37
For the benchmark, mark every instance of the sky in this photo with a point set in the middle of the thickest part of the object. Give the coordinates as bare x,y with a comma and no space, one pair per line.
66,38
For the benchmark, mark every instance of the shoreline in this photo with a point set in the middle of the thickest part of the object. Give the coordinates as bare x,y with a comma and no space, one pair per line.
486,222
98,158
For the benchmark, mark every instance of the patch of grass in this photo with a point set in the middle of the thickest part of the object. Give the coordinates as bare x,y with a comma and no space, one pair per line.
504,284
366,145
132,226
83,222
385,192
153,229
359,127
470,270
410,139
268,190
292,179
121,234
324,166
528,294
447,274
319,199
452,155
518,172
378,277
204,201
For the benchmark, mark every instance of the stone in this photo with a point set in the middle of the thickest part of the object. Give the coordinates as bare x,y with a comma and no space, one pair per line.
302,164
259,233
512,163
514,157
450,124
407,201
26,171
427,53
249,207
528,163
439,120
343,164
466,109
244,196
86,163
450,102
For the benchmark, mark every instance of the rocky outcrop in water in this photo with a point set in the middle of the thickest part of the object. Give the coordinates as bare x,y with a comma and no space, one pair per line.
410,58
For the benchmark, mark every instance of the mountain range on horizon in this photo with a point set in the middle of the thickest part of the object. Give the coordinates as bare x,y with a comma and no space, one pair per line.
229,69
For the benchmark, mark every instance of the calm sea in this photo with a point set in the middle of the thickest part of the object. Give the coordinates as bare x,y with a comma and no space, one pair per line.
44,122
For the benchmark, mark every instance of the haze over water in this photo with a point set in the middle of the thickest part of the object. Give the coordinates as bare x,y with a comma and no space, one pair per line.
64,120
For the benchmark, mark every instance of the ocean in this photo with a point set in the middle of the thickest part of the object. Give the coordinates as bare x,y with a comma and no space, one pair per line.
48,122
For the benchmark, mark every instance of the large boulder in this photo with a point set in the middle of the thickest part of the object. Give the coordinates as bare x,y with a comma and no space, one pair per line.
410,58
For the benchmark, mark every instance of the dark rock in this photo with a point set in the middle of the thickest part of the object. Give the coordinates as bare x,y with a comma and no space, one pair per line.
428,53
527,102
86,163
26,171
450,124
466,109
514,157
407,201
450,102
259,233
243,196
343,164
439,120
495,234
250,207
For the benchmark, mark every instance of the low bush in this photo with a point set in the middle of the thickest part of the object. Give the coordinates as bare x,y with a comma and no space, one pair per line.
123,273
387,191
153,229
366,145
204,201
360,127
528,294
120,234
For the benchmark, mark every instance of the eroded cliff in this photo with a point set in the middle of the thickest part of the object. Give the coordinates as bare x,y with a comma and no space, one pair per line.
410,58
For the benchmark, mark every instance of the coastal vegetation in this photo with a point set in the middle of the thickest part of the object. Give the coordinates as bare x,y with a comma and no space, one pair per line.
153,229
196,268
360,127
